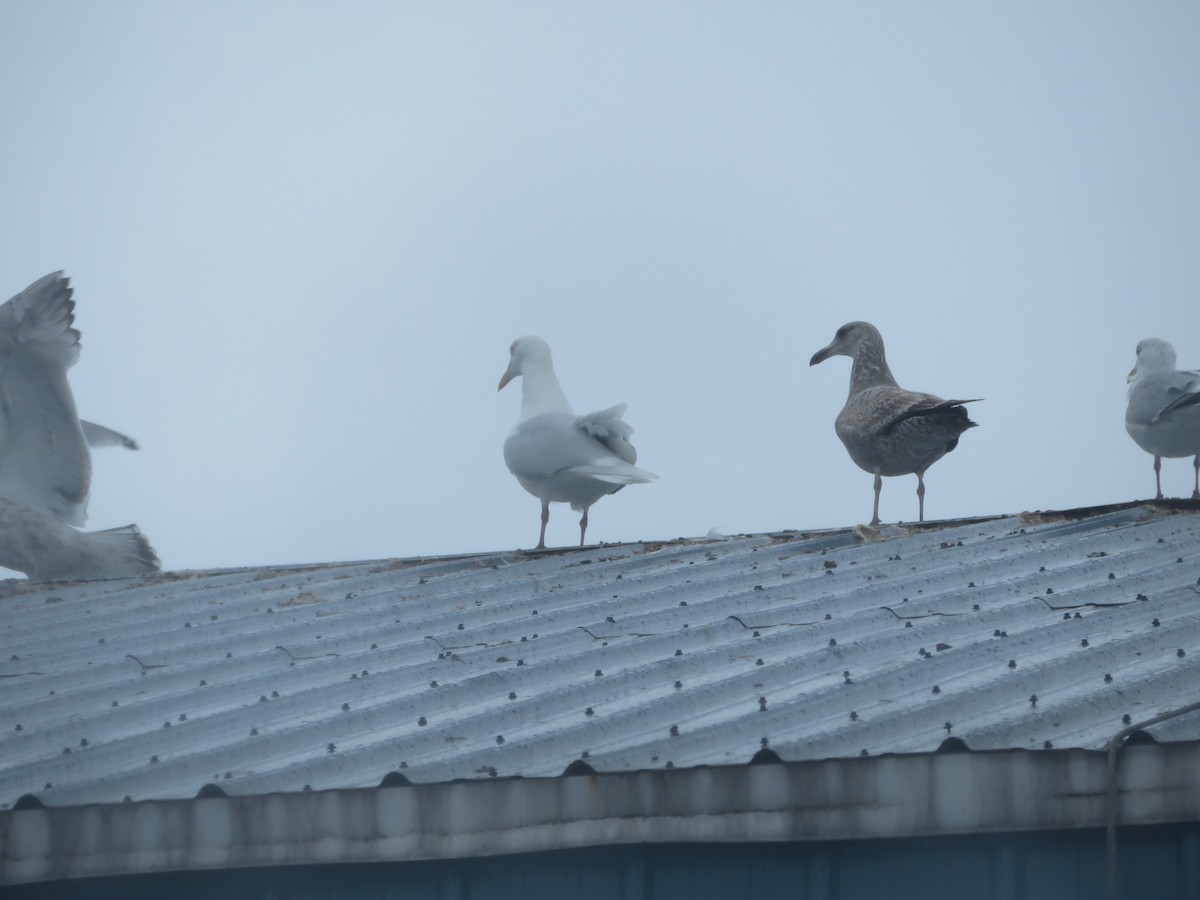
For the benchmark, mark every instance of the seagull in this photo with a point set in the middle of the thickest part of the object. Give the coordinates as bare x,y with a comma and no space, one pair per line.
45,464
1163,415
560,457
886,429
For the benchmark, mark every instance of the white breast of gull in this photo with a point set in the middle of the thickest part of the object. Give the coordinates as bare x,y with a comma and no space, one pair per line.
1163,415
886,429
560,457
45,464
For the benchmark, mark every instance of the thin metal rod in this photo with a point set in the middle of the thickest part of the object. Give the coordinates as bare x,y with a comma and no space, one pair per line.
1110,803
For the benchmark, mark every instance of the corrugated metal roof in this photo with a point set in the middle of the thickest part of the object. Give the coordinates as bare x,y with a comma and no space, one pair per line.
632,656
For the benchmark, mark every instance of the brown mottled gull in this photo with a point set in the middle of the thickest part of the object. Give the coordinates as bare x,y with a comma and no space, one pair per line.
560,457
886,429
45,465
1163,415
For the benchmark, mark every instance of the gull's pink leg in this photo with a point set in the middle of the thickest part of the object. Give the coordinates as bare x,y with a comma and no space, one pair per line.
921,495
582,527
545,519
1196,466
878,488
1158,477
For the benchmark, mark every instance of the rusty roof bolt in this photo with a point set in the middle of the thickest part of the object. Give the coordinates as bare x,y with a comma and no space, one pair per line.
1107,678
674,731
1033,699
853,715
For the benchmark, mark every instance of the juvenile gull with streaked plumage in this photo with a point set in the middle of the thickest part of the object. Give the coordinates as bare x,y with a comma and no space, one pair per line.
886,429
560,457
1163,415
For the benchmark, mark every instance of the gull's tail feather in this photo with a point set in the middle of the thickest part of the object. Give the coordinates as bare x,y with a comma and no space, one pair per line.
116,552
615,472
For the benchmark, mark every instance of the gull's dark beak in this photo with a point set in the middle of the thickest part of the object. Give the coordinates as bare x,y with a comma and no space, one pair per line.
820,356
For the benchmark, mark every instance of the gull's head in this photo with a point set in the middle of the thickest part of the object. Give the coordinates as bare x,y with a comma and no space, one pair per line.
849,338
1153,355
525,353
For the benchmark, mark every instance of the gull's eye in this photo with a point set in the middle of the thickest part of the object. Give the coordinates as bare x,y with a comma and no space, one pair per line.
842,332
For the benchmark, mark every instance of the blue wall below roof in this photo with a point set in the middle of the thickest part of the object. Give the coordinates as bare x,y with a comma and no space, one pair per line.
1160,862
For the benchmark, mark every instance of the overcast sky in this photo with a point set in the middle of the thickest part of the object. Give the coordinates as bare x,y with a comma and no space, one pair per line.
304,234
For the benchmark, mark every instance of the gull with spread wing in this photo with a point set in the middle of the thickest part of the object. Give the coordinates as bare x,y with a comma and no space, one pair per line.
45,464
560,457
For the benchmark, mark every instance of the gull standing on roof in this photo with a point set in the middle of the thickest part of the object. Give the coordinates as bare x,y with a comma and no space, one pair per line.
45,465
886,429
1163,415
560,457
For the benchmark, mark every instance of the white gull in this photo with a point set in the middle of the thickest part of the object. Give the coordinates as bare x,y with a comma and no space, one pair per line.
1163,415
45,465
560,457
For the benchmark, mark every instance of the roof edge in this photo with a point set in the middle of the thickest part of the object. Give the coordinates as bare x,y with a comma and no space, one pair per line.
836,799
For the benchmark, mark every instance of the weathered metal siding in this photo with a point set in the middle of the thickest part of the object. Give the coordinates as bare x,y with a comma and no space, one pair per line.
1160,862
631,656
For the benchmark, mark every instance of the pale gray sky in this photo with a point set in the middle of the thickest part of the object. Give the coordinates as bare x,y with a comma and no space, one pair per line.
303,235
